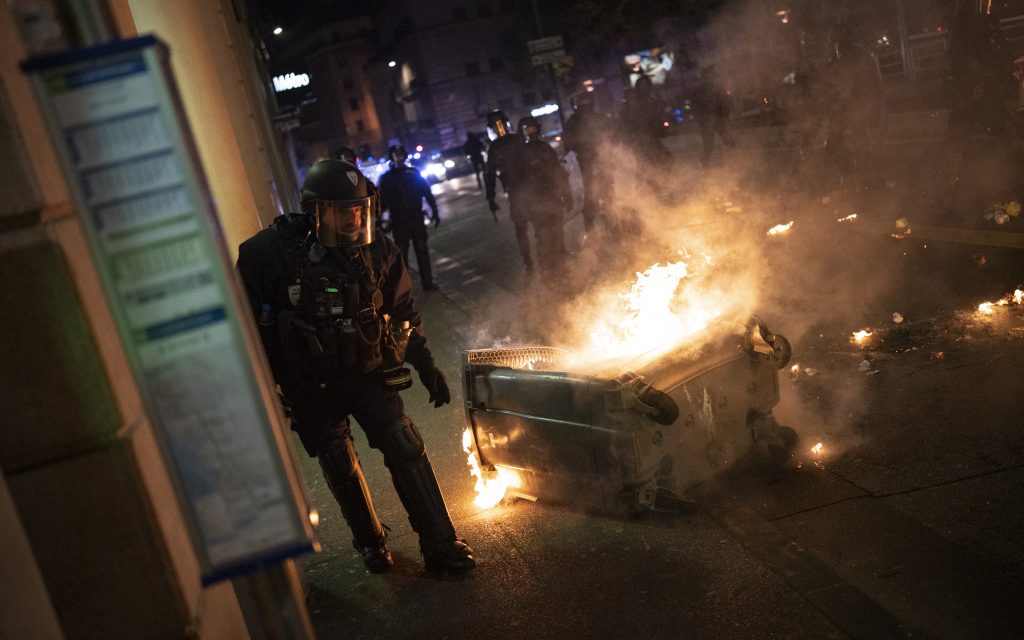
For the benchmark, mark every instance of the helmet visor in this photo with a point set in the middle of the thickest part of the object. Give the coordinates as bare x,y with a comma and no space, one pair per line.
344,223
497,129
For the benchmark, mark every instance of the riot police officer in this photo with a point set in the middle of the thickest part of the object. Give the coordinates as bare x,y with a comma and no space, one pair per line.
336,314
402,191
586,133
348,154
500,160
541,195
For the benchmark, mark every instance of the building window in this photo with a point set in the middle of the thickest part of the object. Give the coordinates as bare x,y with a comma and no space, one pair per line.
353,104
497,63
529,98
360,127
459,14
472,68
483,10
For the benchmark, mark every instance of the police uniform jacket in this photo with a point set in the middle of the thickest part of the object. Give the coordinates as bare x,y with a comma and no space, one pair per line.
270,263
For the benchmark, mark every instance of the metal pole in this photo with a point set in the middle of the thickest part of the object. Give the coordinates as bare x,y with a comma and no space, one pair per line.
272,603
905,52
550,67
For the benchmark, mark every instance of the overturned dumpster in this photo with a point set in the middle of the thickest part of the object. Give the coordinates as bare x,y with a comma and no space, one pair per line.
630,437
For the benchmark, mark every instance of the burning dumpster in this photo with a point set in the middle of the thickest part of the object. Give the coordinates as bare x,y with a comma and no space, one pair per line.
631,437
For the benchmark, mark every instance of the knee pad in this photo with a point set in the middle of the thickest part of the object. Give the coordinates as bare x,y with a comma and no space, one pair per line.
402,442
337,455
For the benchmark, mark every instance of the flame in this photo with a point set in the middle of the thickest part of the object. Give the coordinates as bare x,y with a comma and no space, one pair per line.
849,218
988,308
663,306
902,234
818,449
859,337
780,228
489,491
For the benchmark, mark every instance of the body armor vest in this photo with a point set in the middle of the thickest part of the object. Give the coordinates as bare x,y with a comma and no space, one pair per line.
334,325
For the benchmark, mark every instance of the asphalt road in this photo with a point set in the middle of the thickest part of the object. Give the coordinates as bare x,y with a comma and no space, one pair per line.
907,524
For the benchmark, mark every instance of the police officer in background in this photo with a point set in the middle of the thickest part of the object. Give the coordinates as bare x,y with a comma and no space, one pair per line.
334,304
402,191
501,160
541,195
586,132
348,154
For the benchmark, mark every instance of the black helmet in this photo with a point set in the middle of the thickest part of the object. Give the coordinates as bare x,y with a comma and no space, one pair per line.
343,202
499,123
394,151
529,128
348,154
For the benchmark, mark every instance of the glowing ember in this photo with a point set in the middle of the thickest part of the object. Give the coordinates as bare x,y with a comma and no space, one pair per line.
902,234
489,491
780,228
986,307
849,218
859,337
818,449
1018,296
662,307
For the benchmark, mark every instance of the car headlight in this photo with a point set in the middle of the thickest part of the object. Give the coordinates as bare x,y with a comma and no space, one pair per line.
449,164
435,169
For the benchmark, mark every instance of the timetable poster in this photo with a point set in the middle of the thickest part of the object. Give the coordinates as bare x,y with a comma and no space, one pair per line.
113,113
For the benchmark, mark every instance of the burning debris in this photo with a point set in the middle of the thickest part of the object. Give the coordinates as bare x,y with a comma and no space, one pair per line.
989,308
903,229
1001,212
779,229
860,338
849,218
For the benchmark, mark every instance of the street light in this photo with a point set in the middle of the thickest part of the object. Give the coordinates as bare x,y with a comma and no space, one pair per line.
277,31
391,64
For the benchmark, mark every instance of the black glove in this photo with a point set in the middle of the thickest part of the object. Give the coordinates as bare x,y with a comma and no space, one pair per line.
494,206
433,380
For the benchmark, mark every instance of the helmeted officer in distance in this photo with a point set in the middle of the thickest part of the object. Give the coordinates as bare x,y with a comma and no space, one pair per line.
336,315
348,154
501,157
541,196
586,133
402,192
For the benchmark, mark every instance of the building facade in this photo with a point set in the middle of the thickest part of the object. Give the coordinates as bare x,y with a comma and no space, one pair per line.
439,71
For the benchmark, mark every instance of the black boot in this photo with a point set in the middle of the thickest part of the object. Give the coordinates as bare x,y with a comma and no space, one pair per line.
344,475
442,550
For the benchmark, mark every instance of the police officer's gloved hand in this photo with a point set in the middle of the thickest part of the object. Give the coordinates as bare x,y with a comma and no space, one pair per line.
493,205
433,380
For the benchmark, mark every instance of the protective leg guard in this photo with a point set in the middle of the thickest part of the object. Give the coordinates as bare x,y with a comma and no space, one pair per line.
344,475
419,245
417,488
